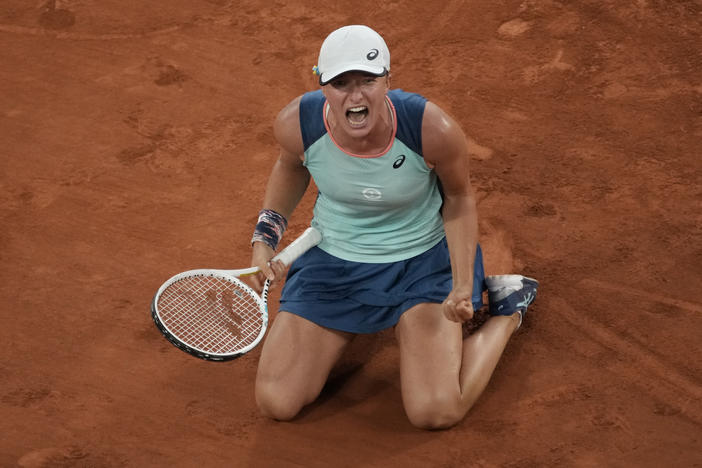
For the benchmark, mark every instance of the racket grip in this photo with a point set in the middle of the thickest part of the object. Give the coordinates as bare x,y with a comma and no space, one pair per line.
302,244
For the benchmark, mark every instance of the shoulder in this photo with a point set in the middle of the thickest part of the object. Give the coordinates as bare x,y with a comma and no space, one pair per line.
286,127
428,126
441,134
410,102
438,123
301,122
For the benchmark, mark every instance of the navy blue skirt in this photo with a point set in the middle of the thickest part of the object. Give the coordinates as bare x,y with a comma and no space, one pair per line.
369,297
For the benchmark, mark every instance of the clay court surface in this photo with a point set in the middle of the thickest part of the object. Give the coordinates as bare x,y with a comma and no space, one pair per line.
136,142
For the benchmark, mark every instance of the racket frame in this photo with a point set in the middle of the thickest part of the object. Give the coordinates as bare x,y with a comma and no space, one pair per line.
231,276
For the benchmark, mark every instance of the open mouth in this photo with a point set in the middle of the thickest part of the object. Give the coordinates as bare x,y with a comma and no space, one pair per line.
356,116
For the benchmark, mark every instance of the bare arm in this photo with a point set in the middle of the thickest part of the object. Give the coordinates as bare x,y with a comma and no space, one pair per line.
289,178
286,185
445,148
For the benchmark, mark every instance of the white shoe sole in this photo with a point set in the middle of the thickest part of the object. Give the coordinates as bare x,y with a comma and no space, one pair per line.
495,282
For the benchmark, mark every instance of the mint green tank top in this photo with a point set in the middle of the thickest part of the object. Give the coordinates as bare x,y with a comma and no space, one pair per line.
373,209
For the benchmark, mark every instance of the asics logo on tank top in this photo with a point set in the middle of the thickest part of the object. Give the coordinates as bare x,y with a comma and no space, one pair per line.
372,55
399,161
372,194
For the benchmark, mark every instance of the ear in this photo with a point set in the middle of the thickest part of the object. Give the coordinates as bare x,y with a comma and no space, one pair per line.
387,81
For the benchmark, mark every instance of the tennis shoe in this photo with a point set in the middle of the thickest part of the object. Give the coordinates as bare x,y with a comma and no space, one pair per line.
511,294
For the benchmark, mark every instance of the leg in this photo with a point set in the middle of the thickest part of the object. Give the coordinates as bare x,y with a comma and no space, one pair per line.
295,362
441,374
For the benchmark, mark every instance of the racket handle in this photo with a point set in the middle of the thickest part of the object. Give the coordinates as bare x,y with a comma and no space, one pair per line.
302,244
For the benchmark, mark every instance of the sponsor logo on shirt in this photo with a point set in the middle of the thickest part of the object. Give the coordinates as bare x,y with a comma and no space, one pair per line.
372,194
399,161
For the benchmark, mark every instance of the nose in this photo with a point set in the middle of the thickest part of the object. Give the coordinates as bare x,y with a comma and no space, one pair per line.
355,92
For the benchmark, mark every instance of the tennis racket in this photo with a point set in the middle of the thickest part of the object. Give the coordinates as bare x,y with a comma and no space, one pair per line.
212,314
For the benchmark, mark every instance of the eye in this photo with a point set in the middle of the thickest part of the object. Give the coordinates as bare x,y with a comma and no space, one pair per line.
339,83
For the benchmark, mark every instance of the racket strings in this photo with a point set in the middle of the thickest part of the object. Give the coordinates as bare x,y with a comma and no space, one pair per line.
201,319
212,314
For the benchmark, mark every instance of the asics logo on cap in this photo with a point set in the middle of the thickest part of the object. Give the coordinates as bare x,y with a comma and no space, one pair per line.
372,55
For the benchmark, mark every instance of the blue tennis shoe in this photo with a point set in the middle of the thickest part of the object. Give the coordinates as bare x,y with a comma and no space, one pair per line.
510,294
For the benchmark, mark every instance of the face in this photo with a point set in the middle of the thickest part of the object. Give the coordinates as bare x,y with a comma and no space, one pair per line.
357,103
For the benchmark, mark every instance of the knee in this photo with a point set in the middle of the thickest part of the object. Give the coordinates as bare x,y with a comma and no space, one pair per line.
275,402
433,412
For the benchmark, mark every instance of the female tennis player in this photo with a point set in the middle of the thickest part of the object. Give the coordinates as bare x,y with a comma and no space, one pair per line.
399,242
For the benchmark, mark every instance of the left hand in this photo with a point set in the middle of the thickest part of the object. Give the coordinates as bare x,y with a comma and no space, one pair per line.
458,306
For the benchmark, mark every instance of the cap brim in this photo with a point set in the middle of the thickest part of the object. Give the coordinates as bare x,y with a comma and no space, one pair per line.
326,77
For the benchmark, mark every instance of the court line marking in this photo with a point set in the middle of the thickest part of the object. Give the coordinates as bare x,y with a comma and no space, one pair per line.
689,306
24,30
649,364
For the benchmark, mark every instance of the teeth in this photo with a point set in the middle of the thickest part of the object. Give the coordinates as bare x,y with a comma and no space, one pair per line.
357,109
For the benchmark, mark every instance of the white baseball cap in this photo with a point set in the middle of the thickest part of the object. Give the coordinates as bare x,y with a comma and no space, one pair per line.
352,48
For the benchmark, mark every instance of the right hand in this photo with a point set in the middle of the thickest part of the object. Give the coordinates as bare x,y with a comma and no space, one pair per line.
272,270
458,305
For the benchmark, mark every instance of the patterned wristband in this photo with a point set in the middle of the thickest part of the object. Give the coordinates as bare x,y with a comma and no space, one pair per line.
270,228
